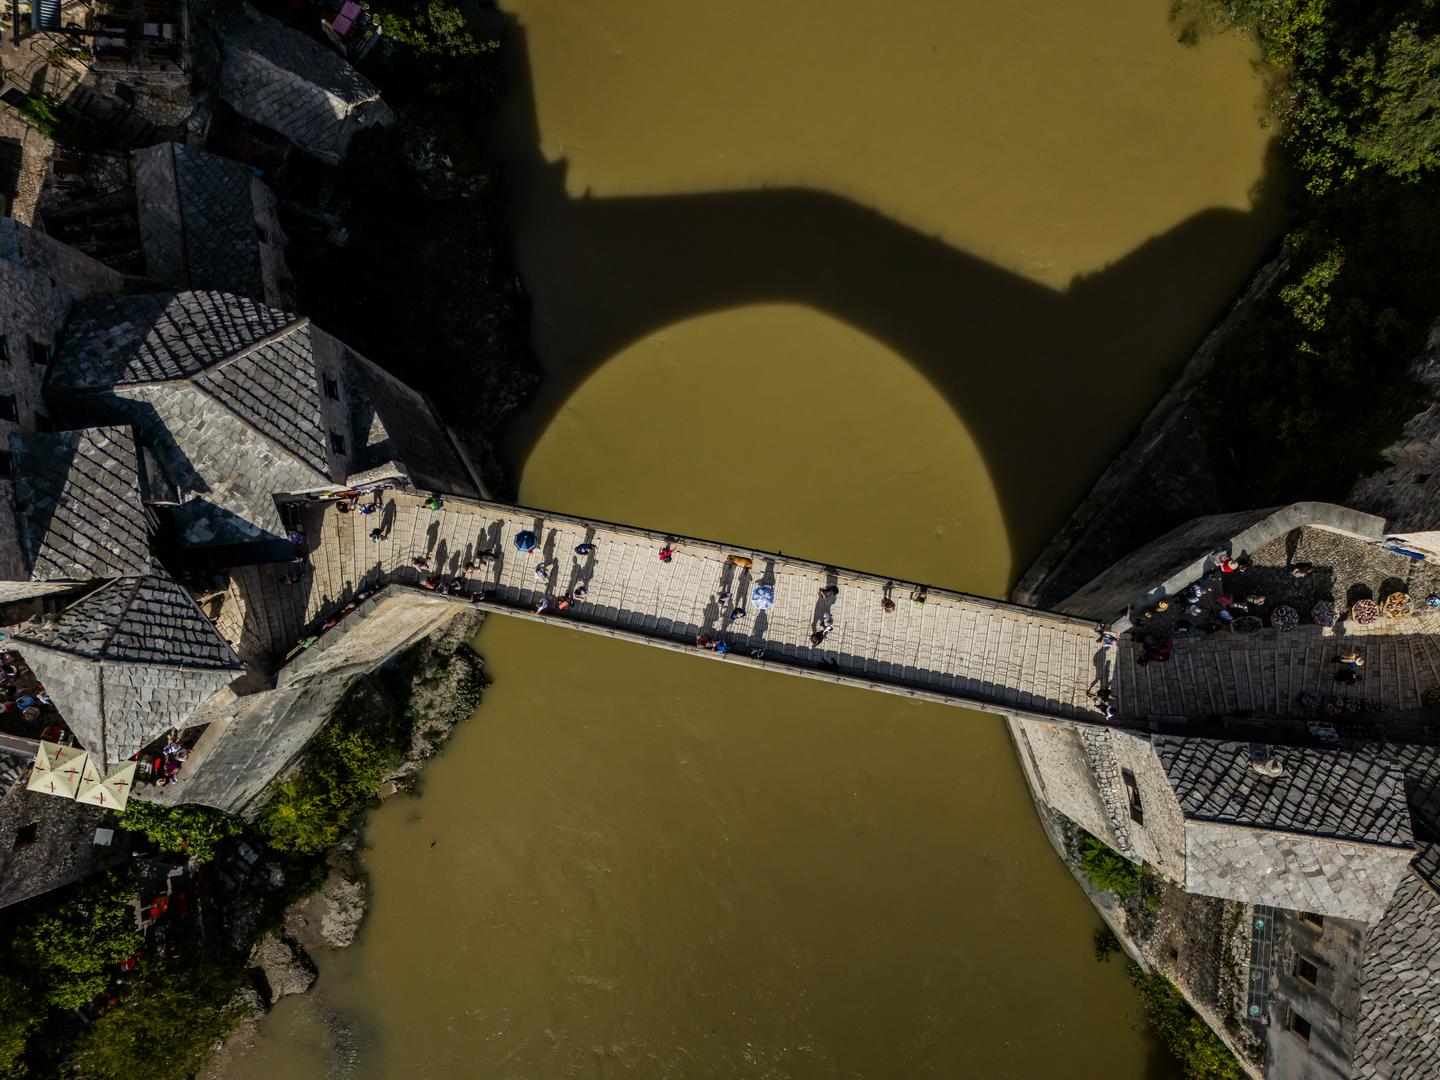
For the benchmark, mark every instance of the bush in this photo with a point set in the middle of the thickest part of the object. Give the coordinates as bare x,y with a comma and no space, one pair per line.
337,781
440,56
41,111
17,1019
1317,385
192,830
164,1026
1108,870
1200,1052
68,949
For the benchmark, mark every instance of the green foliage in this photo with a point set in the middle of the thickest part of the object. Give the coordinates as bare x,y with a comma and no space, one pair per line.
342,769
17,1019
1107,869
468,693
1317,385
163,1027
440,55
1106,944
192,830
41,111
1200,1052
67,950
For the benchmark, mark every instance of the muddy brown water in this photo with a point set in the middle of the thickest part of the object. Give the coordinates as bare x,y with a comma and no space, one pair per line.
884,289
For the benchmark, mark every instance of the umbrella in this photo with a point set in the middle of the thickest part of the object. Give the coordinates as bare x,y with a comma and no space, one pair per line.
57,769
526,541
763,597
112,792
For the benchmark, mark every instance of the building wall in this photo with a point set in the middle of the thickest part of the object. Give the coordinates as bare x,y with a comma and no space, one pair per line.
1331,1005
252,740
1057,758
1160,840
38,279
279,285
1288,870
1166,566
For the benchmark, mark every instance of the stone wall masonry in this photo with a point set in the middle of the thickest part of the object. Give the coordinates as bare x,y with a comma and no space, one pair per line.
250,741
1161,479
1167,565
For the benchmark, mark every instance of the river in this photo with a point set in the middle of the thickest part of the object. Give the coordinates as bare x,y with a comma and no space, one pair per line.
881,288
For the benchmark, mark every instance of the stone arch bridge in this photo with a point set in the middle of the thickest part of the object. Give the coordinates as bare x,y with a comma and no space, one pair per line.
954,648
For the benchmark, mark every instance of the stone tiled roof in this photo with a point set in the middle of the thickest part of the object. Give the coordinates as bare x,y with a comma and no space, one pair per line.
1422,786
1397,1032
1326,793
274,389
278,77
144,620
197,219
63,849
77,496
127,662
118,341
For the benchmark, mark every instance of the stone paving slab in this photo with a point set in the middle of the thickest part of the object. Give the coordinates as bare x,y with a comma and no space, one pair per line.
958,648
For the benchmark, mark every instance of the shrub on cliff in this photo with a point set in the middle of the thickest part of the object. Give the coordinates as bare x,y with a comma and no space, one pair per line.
191,830
1316,387
1200,1052
1107,869
343,767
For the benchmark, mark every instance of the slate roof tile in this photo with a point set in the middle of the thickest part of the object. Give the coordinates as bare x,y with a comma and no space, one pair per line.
274,389
1395,1032
1327,793
78,501
278,77
123,340
197,219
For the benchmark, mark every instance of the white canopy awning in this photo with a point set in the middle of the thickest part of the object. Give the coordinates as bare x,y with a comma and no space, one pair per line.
58,769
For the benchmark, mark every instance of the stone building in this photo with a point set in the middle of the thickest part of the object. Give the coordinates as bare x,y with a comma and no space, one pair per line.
240,402
207,222
1322,836
127,662
39,279
292,84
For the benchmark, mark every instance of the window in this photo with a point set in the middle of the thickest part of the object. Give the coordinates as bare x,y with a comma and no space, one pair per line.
332,388
27,834
4,350
8,411
39,353
1137,813
1305,971
337,442
1298,1024
6,468
1317,921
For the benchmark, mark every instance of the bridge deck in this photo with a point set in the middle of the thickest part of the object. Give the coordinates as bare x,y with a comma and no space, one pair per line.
958,648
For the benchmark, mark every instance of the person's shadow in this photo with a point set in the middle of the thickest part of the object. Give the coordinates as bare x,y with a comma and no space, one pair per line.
1034,373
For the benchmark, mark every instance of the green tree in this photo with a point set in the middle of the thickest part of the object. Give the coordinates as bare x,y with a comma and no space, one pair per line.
440,55
192,830
69,948
163,1027
17,1019
1107,869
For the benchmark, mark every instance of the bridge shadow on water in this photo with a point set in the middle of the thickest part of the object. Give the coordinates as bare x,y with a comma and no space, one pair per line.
1049,383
